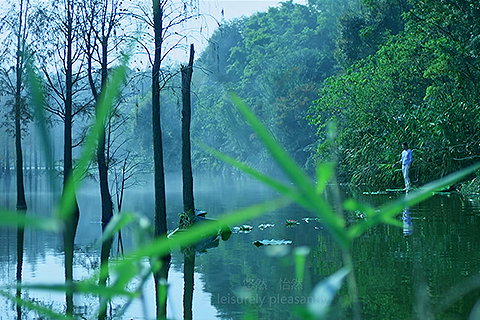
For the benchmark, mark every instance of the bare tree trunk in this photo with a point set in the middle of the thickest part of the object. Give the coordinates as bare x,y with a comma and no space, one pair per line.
71,222
21,202
159,175
7,157
20,244
188,202
188,282
107,204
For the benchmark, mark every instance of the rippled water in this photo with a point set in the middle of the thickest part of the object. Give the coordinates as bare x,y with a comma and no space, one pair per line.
400,271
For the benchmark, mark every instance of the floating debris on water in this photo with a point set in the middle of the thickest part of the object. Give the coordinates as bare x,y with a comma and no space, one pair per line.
291,223
242,229
266,225
375,192
259,243
307,220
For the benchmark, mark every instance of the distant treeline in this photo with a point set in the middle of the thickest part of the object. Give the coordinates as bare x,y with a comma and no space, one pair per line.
382,71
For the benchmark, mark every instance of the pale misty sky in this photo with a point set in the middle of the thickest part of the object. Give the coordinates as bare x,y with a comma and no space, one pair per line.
212,12
237,8
231,9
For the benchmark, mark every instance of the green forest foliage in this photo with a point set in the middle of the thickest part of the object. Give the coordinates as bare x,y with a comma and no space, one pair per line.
420,86
276,61
385,71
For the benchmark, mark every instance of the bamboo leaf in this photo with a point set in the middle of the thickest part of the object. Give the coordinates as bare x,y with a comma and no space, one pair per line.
283,159
282,188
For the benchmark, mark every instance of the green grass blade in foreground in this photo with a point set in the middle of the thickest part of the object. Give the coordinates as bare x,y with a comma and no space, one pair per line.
284,189
388,211
43,312
117,222
108,95
332,221
300,254
288,165
197,232
325,172
14,219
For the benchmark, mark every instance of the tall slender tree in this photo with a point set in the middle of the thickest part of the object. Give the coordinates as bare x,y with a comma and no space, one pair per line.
159,175
165,25
19,107
101,21
73,216
61,61
19,66
188,202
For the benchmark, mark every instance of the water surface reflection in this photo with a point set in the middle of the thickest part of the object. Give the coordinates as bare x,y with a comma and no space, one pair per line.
237,278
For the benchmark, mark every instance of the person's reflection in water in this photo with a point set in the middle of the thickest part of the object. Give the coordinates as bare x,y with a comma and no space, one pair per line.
407,222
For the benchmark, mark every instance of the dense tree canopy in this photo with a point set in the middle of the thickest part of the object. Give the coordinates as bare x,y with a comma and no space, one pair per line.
276,61
420,86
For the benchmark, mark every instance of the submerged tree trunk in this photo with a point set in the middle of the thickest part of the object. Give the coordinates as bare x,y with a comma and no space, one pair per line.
159,176
7,157
21,202
72,217
96,46
188,282
188,203
107,204
20,244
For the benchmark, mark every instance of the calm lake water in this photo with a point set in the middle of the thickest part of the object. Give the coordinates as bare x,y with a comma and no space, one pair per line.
400,272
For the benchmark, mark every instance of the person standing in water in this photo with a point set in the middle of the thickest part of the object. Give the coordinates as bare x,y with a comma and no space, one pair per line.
406,161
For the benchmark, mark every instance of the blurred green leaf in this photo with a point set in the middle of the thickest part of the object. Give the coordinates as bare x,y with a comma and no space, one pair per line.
14,219
117,222
308,196
300,254
325,291
325,172
40,310
281,187
197,232
107,97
